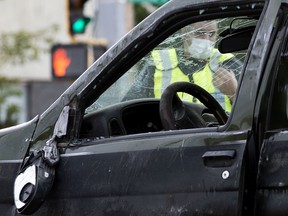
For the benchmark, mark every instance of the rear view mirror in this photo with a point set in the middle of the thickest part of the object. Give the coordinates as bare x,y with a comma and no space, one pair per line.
235,39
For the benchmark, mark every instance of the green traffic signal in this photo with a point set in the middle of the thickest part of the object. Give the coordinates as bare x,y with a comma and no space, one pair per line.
79,25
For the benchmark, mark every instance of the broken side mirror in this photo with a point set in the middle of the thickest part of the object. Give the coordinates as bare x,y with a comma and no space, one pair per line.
36,176
32,184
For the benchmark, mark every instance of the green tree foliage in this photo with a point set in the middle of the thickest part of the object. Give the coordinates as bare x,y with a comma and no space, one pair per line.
18,48
23,46
142,8
140,13
8,111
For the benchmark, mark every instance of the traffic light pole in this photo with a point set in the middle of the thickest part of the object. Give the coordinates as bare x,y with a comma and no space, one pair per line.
113,19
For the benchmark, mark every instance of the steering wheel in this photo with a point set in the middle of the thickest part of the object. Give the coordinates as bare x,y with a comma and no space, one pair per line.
175,116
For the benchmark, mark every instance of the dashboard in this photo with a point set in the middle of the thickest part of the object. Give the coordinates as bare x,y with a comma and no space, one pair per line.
129,117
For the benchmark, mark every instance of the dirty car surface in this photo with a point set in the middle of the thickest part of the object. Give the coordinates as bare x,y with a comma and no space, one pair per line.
117,143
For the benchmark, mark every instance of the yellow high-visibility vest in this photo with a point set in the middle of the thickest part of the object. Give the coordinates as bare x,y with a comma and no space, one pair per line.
168,71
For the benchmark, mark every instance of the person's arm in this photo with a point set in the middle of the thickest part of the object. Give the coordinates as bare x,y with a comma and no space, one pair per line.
226,76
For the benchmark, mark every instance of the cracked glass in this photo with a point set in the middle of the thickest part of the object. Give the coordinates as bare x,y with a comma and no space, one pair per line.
189,55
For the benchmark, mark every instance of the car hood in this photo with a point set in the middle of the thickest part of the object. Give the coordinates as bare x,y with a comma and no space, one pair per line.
14,141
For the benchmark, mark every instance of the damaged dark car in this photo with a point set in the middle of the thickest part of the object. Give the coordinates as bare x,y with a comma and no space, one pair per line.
185,115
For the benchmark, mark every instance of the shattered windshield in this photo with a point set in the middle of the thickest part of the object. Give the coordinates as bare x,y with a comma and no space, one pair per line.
188,55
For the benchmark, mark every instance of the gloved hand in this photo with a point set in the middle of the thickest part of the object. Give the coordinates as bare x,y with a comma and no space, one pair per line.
214,62
225,81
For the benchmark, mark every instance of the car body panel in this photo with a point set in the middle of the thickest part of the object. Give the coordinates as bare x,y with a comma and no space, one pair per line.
272,178
126,174
13,147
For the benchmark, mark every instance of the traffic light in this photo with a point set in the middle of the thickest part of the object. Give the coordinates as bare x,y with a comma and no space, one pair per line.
77,20
69,61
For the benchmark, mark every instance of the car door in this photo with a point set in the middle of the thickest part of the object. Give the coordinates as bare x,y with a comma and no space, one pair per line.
114,163
271,197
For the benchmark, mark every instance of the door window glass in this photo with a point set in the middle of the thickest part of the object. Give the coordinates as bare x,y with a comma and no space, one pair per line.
194,54
189,55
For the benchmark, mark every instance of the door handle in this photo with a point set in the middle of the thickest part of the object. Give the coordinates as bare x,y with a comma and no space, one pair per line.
221,158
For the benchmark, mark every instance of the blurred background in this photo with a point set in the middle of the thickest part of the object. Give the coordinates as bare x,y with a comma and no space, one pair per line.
46,45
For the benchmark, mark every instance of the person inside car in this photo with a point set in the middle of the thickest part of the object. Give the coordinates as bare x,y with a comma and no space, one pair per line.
194,60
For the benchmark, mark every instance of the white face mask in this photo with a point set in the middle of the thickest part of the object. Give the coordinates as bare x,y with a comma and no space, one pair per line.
200,48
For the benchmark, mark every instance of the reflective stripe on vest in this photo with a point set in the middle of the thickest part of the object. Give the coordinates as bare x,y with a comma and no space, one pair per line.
167,72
